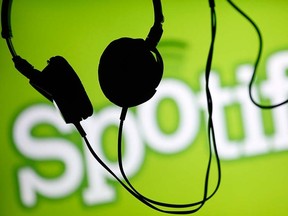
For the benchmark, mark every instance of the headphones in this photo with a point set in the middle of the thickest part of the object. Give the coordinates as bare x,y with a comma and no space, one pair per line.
129,72
135,65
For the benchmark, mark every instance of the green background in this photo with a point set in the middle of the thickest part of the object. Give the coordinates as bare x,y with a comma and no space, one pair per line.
80,31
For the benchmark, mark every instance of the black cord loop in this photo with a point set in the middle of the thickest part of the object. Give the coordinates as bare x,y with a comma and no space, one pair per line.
258,57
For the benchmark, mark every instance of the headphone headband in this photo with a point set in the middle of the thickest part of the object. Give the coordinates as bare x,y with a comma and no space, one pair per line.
5,19
153,37
156,30
158,14
6,25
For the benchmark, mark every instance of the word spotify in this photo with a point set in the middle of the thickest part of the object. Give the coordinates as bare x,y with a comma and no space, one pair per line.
142,128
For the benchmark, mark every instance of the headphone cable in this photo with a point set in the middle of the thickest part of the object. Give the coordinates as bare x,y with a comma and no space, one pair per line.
212,146
257,59
137,195
211,137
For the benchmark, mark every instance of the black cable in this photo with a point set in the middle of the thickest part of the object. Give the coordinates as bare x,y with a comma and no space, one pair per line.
98,159
257,59
162,204
136,195
211,135
210,128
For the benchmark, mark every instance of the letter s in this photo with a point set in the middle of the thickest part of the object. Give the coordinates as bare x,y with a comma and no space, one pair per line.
31,183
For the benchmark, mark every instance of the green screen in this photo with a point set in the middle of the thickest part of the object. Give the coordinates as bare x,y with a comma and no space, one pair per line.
45,166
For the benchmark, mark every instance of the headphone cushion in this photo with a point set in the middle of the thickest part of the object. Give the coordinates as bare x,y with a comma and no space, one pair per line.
129,72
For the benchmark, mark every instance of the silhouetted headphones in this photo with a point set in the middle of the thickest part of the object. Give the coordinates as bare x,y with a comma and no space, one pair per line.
129,72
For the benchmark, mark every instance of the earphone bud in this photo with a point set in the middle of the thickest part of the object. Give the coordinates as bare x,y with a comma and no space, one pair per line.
129,72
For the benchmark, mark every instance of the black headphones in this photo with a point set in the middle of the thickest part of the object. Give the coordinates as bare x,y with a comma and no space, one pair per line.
137,68
136,72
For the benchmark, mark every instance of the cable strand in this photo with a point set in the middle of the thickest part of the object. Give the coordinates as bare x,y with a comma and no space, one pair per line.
257,60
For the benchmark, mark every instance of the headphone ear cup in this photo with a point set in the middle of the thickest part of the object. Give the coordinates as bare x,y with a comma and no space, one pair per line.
59,83
128,72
